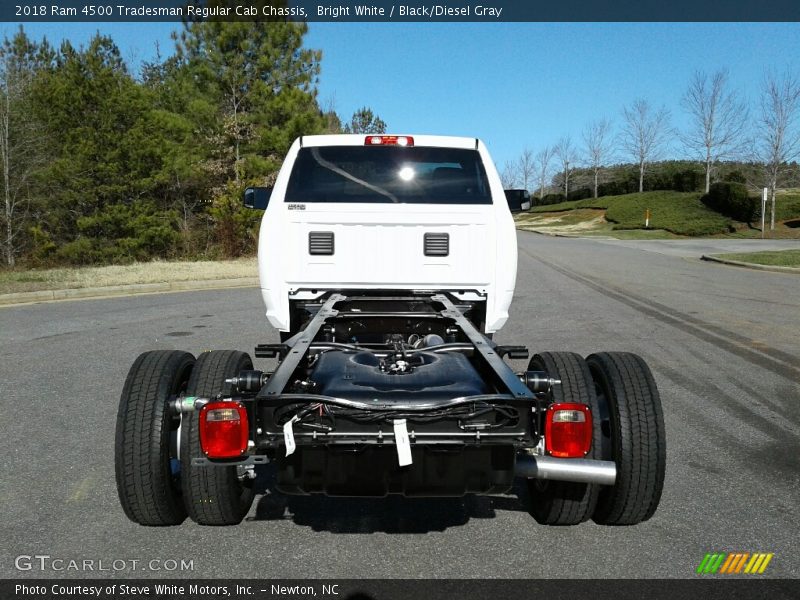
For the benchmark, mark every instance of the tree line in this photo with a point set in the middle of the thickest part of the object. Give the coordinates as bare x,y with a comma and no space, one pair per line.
101,165
724,136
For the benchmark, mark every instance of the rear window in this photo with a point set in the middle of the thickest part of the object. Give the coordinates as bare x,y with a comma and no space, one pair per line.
388,174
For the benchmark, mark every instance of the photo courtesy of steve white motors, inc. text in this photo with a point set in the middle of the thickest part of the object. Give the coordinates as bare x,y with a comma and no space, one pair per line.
244,10
172,589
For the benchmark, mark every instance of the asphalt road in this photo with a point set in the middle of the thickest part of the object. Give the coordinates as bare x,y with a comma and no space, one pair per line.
723,342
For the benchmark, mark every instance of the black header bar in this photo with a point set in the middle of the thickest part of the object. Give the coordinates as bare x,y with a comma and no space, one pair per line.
421,11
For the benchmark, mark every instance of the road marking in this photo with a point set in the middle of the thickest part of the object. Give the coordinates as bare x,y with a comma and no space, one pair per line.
81,490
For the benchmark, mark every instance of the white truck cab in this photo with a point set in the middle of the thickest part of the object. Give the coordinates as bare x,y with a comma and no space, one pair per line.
386,212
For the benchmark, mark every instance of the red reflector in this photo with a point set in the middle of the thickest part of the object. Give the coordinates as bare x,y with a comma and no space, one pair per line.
224,430
389,140
568,430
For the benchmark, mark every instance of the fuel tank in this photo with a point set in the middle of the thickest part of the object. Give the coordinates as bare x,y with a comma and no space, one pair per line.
424,375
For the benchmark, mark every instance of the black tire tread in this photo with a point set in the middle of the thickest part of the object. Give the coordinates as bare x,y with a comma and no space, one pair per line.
212,495
564,502
141,447
640,446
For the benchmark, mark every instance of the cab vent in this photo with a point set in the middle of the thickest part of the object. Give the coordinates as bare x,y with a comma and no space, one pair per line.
320,243
437,244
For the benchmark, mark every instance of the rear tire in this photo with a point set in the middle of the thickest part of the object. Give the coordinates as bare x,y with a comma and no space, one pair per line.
636,439
212,495
145,462
566,502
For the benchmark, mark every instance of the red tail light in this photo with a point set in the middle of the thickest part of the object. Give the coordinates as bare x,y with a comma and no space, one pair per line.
224,430
389,140
568,430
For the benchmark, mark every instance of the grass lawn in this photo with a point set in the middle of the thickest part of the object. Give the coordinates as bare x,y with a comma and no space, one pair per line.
672,214
677,213
584,222
558,219
32,280
637,234
776,258
573,204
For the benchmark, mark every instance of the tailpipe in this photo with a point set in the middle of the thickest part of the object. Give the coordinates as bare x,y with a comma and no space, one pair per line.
582,470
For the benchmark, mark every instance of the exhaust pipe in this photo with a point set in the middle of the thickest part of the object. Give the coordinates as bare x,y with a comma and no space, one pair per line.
603,472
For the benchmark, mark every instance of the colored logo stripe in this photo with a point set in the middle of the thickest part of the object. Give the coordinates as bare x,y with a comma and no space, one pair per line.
737,562
734,562
727,564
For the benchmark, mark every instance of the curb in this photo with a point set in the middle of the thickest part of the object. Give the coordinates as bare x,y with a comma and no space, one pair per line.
569,235
125,290
738,263
548,233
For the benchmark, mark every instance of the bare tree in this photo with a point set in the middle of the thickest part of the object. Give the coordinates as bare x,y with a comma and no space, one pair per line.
20,152
526,167
599,147
543,159
645,134
509,175
778,139
717,129
567,157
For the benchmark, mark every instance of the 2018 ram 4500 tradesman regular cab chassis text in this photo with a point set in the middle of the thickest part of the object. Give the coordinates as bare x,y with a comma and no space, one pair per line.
387,263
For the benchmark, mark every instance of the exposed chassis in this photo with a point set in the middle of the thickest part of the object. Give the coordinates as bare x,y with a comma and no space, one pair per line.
519,445
380,394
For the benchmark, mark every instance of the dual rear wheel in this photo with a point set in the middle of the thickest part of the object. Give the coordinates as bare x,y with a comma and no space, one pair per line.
156,482
158,485
628,430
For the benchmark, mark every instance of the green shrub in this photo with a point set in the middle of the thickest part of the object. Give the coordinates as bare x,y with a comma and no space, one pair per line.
77,252
235,227
736,176
44,248
732,200
618,187
122,233
550,199
580,194
687,180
